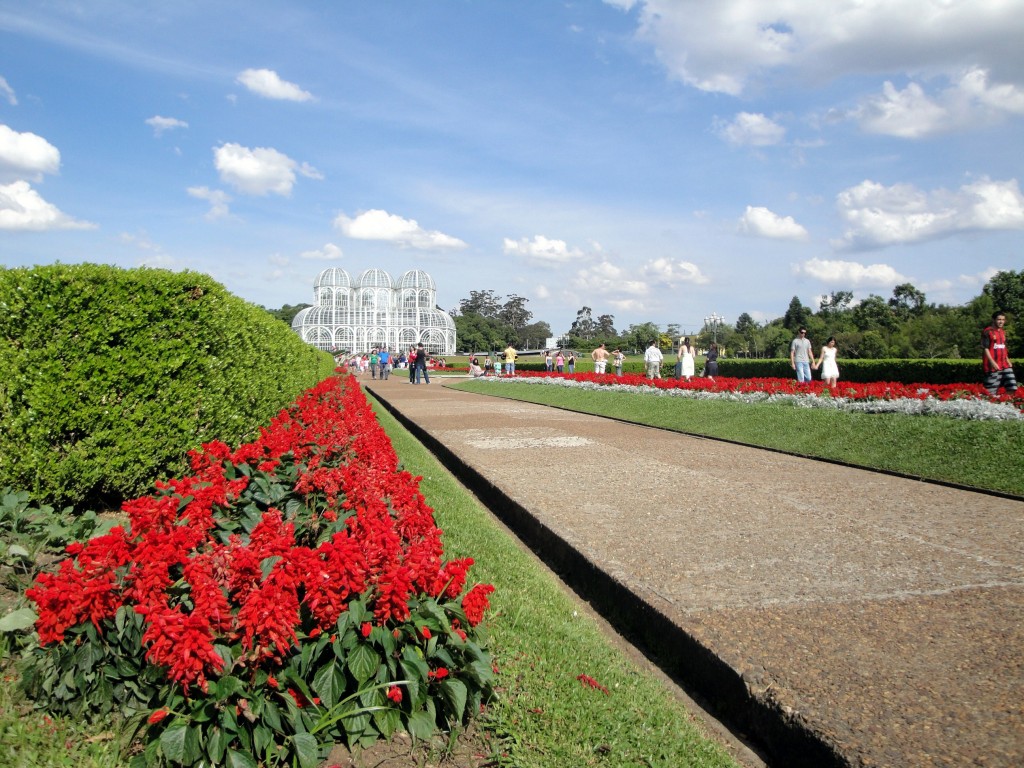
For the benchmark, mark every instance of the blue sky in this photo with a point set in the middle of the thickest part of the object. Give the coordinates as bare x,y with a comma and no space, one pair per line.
657,160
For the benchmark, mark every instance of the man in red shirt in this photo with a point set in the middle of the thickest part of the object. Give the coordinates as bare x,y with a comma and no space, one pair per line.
995,358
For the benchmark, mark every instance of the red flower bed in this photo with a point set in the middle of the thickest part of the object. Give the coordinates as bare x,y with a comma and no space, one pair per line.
309,535
879,390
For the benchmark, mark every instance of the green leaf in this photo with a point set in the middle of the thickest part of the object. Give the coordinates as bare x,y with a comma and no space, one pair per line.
172,743
240,760
306,749
363,662
229,686
327,685
23,618
454,694
421,725
267,565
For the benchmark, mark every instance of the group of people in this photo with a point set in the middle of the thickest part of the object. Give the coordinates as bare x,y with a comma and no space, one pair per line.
995,358
380,362
802,360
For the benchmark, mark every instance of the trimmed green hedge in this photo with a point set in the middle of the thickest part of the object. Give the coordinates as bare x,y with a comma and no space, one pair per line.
110,376
865,371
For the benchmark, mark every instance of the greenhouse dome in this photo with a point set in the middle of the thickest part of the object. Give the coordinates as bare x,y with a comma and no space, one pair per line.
375,311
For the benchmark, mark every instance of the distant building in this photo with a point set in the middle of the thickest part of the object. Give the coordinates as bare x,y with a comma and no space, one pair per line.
375,311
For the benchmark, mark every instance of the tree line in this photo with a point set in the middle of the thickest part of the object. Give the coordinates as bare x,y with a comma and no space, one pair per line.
905,325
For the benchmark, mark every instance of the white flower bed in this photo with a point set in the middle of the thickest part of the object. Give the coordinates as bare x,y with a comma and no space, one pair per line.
982,410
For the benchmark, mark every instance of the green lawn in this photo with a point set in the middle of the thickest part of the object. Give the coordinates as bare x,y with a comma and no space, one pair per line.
543,639
982,454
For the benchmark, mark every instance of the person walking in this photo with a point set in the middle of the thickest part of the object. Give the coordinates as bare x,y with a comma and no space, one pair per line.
384,360
412,365
510,360
995,357
653,359
827,363
801,355
420,366
711,362
686,356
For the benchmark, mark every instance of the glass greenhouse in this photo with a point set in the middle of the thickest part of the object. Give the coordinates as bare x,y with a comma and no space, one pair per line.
375,311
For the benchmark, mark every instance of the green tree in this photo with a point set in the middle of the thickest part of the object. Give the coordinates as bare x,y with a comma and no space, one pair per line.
483,303
606,327
874,314
907,301
796,316
477,333
533,335
515,313
639,337
584,327
287,313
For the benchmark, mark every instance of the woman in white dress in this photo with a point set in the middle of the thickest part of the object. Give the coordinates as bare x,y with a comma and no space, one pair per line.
829,369
686,355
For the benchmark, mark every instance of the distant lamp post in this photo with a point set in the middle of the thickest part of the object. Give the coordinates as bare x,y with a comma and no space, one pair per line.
713,321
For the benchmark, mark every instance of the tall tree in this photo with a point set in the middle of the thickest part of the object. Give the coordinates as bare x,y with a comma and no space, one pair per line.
533,336
907,300
583,327
836,302
483,303
515,313
796,315
606,326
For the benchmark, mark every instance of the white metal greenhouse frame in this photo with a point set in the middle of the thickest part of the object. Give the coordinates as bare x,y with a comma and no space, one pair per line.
374,312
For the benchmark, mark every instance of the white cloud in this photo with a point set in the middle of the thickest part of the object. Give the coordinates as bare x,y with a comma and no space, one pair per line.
542,250
908,114
330,252
162,124
259,171
722,46
22,209
8,93
978,279
607,278
757,221
267,83
25,154
673,272
878,216
752,129
217,198
376,224
911,113
850,274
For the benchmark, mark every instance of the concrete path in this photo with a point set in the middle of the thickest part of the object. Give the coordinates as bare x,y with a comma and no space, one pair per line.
834,616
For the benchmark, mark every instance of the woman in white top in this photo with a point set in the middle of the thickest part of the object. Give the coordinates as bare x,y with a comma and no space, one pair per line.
686,355
827,363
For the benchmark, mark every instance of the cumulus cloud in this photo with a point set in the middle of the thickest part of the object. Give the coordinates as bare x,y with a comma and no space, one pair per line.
330,252
259,171
673,273
911,113
267,83
757,221
879,216
607,278
376,224
724,45
542,250
8,93
26,155
751,129
850,273
23,209
217,198
161,125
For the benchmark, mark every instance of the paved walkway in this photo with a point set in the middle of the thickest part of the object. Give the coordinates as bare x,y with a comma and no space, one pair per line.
834,616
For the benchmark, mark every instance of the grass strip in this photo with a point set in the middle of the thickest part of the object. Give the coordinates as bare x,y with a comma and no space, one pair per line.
543,640
981,454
